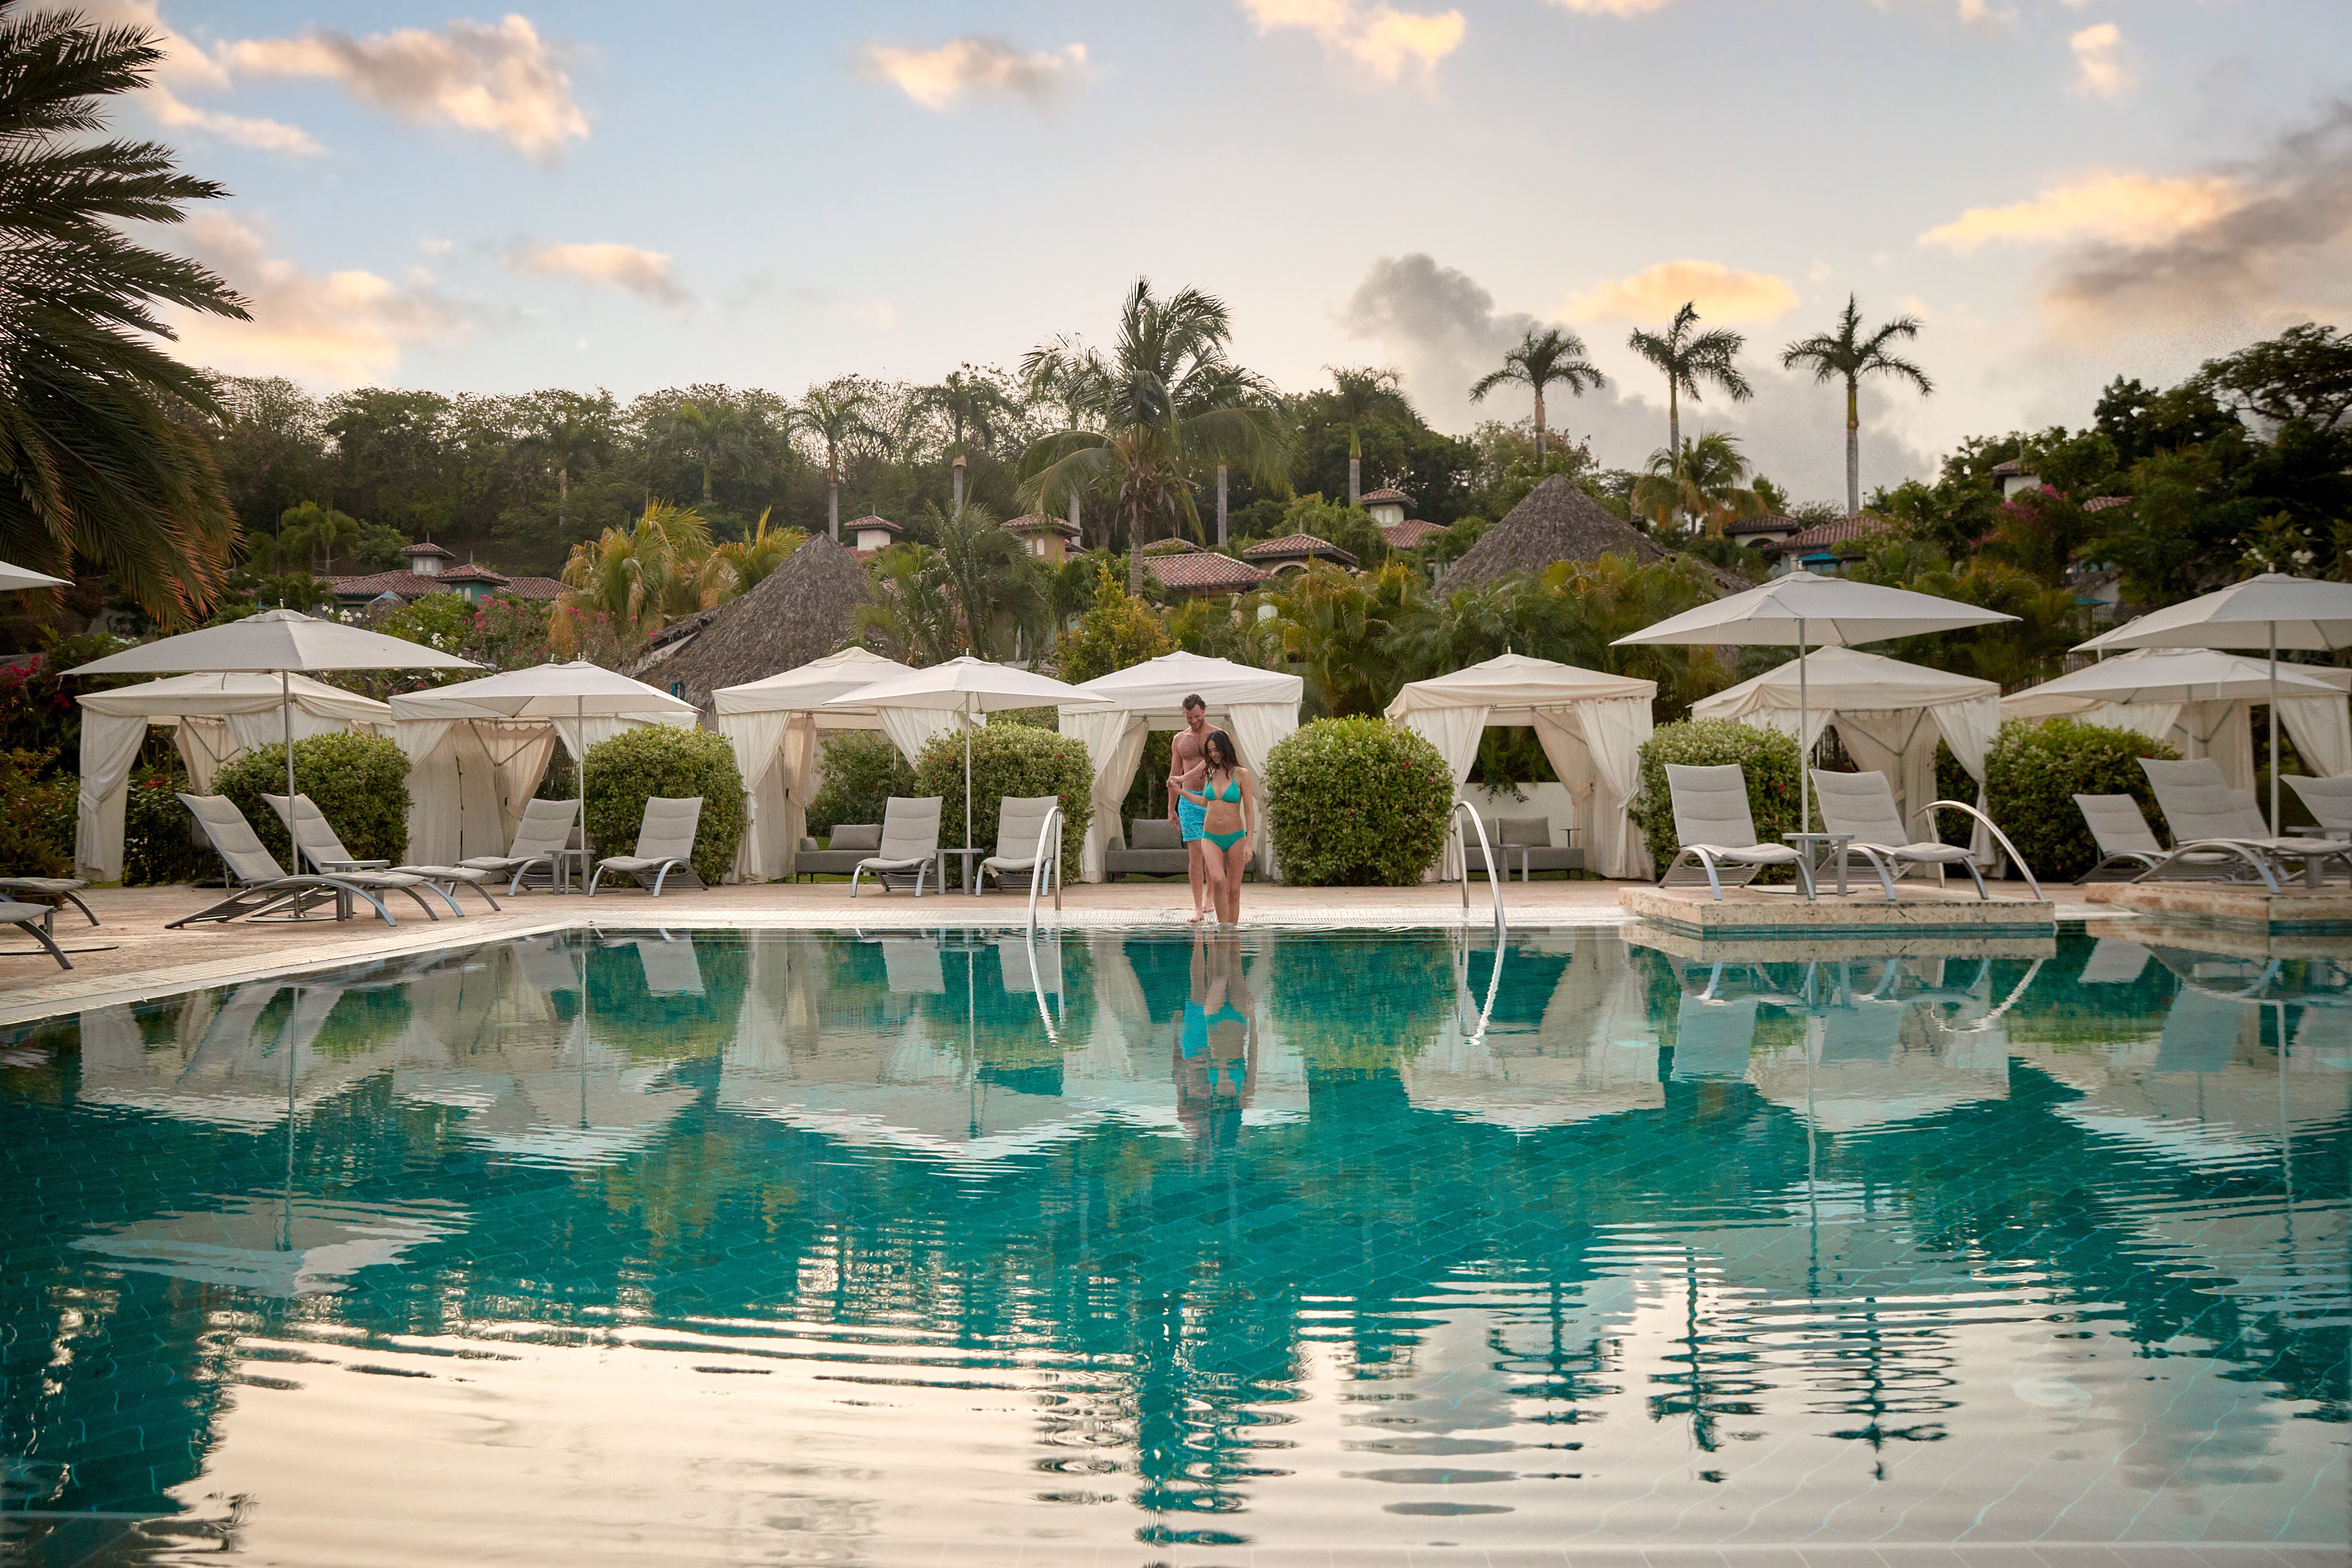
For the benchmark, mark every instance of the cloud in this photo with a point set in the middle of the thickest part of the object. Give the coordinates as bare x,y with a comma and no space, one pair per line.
2130,209
2099,62
937,78
346,328
186,68
1382,40
646,273
263,135
504,80
1721,293
1611,8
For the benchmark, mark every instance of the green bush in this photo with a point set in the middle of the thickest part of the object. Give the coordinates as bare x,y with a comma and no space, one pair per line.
1767,757
160,845
1356,802
1009,758
359,783
37,830
636,765
862,770
2034,769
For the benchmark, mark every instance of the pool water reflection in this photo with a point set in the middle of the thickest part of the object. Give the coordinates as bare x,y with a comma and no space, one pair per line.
752,1246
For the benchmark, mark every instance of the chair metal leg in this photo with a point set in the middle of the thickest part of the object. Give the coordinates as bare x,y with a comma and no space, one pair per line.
855,872
47,940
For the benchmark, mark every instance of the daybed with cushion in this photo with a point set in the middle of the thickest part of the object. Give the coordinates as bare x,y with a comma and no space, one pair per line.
852,842
1523,844
1154,848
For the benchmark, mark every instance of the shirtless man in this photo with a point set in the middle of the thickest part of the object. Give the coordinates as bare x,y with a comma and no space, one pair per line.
1186,767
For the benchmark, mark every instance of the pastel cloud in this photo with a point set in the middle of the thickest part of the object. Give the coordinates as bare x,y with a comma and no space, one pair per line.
1722,294
1612,7
345,328
187,68
2099,63
938,79
2125,209
1384,42
646,273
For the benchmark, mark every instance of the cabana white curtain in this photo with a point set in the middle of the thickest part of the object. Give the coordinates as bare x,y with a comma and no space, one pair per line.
2205,707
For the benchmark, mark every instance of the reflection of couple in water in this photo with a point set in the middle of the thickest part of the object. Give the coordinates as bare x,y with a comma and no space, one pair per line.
1216,1043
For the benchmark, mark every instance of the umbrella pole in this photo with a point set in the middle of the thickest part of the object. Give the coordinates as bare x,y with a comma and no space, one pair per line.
1804,759
286,729
968,839
2274,751
579,784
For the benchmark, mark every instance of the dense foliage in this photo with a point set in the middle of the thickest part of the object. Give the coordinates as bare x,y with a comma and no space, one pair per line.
1117,631
359,783
1017,759
636,765
161,843
36,829
2035,769
1356,803
862,770
1767,758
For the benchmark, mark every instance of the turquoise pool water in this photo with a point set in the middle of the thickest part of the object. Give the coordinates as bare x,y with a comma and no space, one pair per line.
1126,1248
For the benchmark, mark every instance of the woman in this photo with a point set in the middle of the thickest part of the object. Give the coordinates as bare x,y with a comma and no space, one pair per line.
1228,799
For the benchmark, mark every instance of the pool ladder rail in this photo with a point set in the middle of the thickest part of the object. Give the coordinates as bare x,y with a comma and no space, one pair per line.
1043,870
1486,853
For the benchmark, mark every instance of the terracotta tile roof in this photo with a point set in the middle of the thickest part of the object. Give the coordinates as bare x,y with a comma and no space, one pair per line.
1035,523
1409,535
1297,547
415,586
1386,494
400,579
533,588
2014,465
860,524
2101,503
1202,572
1773,523
1844,531
1171,547
469,572
429,548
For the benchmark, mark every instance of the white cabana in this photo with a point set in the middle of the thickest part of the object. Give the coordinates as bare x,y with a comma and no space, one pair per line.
215,717
478,750
2200,699
1888,713
1591,727
776,726
1257,707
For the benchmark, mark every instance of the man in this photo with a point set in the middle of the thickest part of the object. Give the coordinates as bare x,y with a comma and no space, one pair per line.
1187,765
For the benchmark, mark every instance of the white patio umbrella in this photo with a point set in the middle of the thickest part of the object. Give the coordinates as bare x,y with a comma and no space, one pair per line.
15,579
280,643
2270,612
1802,610
969,687
575,690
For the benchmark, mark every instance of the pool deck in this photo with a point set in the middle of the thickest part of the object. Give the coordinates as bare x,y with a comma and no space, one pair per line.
2295,908
130,954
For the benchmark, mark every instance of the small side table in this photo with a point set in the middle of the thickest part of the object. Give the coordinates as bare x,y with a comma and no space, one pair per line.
1834,846
964,852
564,861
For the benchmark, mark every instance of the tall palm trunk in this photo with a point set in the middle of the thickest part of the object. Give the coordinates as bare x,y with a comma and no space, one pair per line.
1355,469
1540,429
706,481
833,497
562,495
1853,448
1674,440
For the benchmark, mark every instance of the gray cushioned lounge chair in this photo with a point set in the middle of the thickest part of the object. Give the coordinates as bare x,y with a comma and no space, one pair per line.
1718,831
34,919
65,889
2209,818
910,842
2126,840
316,838
544,832
1863,806
1020,819
665,845
262,889
2329,800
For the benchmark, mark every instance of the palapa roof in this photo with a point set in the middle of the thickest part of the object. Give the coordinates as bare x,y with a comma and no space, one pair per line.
804,609
1298,547
1558,521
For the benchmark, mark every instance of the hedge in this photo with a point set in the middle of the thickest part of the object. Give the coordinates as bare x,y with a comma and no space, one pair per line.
359,783
2034,769
160,845
1767,757
36,831
1356,803
636,765
1009,760
862,770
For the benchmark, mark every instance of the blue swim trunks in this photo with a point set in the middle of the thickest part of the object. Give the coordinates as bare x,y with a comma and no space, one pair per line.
1190,819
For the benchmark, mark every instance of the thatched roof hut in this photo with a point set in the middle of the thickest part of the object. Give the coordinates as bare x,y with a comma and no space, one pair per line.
804,609
1558,521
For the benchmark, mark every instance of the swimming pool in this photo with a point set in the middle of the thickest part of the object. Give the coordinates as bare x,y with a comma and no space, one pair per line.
1125,1248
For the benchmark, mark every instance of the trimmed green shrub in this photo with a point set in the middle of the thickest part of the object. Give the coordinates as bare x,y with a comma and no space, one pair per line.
862,770
1356,803
160,845
359,783
636,765
37,830
1767,757
1008,759
2034,769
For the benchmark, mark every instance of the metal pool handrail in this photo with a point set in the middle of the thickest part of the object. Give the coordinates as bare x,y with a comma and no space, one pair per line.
1928,811
1486,853
1052,826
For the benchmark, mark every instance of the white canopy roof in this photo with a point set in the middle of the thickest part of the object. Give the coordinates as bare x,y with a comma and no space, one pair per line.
965,685
2169,675
14,579
810,685
2292,612
571,690
1841,678
275,640
1830,612
1159,685
223,693
1511,687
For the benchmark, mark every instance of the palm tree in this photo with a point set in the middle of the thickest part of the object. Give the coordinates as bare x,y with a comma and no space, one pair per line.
1361,395
836,414
974,406
569,435
310,534
753,558
647,576
993,583
1688,358
1542,359
708,437
1163,406
1848,353
1701,481
100,457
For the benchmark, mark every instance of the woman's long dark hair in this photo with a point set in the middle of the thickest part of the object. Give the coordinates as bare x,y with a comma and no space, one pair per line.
1218,749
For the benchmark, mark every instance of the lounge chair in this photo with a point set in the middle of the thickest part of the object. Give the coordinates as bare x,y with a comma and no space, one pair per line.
62,889
1718,830
316,840
1020,819
1863,806
665,845
1525,843
2207,819
262,889
910,842
2123,835
2329,800
543,834
35,919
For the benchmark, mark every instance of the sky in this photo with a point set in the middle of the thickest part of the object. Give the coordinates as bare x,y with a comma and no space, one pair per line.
774,194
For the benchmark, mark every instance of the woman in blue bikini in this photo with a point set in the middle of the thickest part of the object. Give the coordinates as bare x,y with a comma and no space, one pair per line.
1228,802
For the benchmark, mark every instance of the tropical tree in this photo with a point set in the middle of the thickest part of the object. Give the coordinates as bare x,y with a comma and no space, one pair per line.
753,558
998,594
1543,359
1164,405
710,438
910,617
571,435
1361,395
838,413
658,571
1846,353
1335,626
975,408
101,459
1115,632
308,535
1687,358
1701,482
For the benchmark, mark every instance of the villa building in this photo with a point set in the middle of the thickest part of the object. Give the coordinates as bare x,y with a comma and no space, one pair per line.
428,572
